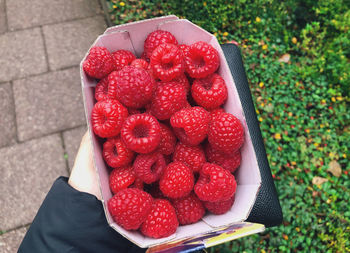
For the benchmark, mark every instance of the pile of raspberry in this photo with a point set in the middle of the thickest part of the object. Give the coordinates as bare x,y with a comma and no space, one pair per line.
170,146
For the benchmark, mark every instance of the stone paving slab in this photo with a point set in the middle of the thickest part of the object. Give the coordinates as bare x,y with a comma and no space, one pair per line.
39,12
7,118
3,26
21,54
48,103
72,139
28,171
10,242
68,42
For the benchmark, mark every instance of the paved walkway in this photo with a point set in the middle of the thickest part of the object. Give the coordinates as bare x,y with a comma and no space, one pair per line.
41,112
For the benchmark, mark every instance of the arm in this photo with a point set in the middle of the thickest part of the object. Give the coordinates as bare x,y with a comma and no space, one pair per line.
71,218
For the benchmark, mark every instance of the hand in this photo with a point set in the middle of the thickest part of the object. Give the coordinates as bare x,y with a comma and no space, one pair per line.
84,175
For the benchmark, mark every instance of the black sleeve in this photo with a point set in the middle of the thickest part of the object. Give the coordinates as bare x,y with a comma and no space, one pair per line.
72,221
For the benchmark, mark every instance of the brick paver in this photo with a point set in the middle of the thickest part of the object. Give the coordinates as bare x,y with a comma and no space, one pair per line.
24,54
9,242
72,140
68,42
41,110
39,12
27,172
3,27
7,119
48,103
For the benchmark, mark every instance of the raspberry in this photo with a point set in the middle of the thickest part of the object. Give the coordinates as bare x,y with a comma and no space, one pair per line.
182,80
177,180
141,133
122,58
116,154
229,162
99,62
216,112
107,118
209,92
167,140
201,60
167,62
192,156
101,89
149,167
138,183
191,125
133,87
168,99
184,48
139,63
121,178
226,133
188,209
161,221
215,183
156,38
220,207
130,207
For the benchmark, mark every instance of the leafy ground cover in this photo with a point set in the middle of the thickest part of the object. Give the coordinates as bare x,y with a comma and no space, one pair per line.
296,55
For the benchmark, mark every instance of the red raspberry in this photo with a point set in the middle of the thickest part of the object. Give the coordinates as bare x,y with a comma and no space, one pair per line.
138,183
188,209
191,125
182,79
177,180
130,207
99,63
101,89
220,207
156,38
121,178
209,92
201,60
215,183
141,133
167,140
144,57
161,221
192,156
122,58
149,167
139,63
107,118
167,62
226,133
116,154
229,162
215,112
168,99
184,48
133,87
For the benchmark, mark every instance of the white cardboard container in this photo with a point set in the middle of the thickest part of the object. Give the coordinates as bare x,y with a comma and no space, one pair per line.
131,37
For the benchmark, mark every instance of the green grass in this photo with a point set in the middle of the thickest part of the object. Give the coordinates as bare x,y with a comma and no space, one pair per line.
302,105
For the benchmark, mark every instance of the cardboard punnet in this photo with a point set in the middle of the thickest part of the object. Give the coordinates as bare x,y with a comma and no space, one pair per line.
131,37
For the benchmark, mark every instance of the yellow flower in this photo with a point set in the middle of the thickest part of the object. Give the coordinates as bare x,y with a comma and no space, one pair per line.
258,19
290,114
294,40
333,99
262,104
122,4
260,119
249,21
263,251
328,201
344,155
204,4
285,237
277,136
331,154
114,6
316,144
264,47
257,111
261,84
293,163
225,34
307,130
321,126
340,98
323,101
297,229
